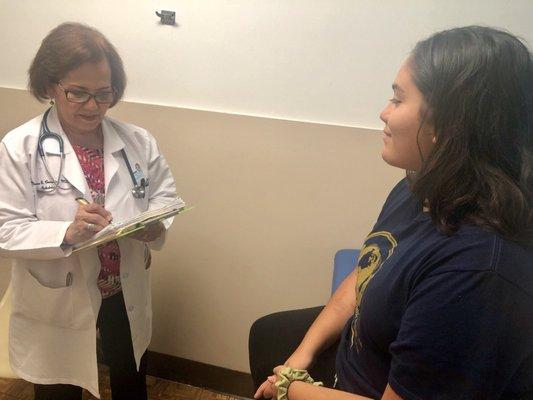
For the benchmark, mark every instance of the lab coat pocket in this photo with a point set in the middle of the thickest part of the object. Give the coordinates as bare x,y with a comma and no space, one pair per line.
50,305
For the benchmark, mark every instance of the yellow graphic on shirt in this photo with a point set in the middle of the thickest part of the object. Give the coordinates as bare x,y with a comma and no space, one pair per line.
378,247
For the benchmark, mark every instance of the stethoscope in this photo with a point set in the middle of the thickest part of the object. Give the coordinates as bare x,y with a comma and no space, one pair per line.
139,188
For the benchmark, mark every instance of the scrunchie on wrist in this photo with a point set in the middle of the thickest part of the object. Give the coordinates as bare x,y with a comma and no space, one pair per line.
287,376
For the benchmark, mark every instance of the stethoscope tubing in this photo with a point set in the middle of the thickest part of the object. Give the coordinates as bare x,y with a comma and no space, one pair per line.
44,134
138,191
47,134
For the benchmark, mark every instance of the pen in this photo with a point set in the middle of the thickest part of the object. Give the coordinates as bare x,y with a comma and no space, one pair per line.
82,201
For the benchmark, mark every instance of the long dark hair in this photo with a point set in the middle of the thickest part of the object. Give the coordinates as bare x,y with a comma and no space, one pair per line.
478,86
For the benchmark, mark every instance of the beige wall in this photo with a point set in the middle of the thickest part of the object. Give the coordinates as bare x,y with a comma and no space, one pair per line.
327,61
273,201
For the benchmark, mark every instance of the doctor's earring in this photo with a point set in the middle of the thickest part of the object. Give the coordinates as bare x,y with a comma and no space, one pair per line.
52,102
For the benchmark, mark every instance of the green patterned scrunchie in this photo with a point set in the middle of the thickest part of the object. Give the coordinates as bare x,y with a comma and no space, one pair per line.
287,376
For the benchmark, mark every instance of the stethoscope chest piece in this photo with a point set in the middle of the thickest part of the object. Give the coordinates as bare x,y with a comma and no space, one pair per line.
139,191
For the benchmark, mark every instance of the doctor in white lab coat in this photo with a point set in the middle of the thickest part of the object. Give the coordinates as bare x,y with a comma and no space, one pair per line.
58,300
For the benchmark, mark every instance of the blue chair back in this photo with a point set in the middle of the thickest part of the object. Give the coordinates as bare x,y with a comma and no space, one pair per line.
344,263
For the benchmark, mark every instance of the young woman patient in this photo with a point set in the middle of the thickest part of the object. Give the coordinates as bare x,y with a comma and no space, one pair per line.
440,304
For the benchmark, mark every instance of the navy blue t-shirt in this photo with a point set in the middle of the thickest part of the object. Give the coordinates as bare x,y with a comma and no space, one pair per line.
439,317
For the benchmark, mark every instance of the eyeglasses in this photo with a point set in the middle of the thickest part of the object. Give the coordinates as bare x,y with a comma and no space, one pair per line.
81,96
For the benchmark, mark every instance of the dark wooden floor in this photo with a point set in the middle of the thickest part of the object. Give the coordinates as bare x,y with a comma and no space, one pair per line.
158,389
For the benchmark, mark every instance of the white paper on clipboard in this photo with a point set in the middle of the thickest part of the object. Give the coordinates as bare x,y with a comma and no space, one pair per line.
120,229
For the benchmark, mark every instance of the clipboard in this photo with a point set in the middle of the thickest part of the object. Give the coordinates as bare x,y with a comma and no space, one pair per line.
128,227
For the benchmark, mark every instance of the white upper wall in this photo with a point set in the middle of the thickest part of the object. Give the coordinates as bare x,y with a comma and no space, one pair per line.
328,61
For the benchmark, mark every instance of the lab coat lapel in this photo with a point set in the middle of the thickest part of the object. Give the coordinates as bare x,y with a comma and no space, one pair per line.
112,146
72,171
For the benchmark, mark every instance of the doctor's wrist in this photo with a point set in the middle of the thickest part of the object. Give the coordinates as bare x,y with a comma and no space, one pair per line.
67,240
71,235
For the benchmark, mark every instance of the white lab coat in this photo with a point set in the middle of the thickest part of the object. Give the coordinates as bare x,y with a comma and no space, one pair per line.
53,324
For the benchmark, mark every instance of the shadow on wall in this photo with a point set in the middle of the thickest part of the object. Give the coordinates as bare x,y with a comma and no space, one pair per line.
5,274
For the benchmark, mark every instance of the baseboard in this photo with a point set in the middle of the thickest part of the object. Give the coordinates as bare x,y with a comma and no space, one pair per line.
199,374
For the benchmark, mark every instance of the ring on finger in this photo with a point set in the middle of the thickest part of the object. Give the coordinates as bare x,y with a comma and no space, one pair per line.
89,226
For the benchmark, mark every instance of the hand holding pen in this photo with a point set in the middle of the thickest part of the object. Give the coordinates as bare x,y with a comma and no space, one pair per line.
90,219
